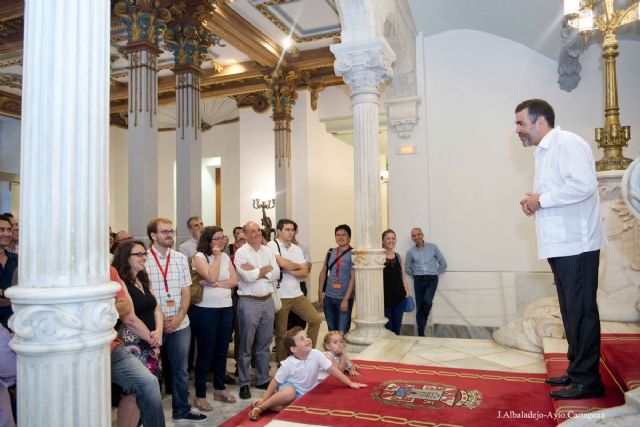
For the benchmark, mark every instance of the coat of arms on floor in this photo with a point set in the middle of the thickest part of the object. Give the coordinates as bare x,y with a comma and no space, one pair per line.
425,395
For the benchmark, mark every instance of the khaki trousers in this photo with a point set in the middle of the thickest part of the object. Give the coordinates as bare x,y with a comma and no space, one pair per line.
303,308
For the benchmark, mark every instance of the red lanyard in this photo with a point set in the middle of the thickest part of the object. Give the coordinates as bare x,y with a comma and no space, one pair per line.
165,271
339,260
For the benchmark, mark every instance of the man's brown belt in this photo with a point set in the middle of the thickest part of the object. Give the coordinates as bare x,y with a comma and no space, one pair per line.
262,298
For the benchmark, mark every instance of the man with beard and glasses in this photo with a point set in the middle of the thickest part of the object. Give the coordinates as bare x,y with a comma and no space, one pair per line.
566,207
170,280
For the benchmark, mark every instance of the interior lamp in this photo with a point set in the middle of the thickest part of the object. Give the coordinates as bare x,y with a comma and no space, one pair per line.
571,8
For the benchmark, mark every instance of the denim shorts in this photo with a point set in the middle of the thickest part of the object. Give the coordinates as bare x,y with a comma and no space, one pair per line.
283,385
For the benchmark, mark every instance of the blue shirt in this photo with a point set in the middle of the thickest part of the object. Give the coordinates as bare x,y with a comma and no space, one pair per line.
339,276
425,260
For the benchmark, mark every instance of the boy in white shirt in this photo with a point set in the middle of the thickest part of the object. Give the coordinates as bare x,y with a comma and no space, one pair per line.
297,374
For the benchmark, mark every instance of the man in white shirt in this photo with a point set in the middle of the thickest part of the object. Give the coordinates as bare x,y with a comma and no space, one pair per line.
566,207
170,280
258,272
189,247
293,267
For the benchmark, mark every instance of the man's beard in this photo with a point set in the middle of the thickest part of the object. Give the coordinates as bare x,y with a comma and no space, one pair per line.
166,243
526,141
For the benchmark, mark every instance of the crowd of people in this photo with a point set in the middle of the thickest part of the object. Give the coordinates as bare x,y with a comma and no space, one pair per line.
178,310
255,290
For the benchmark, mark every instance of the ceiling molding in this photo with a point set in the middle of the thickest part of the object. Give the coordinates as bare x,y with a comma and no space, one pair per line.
10,105
227,24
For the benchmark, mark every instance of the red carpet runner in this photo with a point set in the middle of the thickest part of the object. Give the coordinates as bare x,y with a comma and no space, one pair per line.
422,396
620,354
557,365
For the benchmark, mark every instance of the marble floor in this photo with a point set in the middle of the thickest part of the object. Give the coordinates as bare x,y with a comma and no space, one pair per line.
447,352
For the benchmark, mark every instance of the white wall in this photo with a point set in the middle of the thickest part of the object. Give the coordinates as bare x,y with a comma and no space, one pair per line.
477,170
220,141
118,181
9,145
9,163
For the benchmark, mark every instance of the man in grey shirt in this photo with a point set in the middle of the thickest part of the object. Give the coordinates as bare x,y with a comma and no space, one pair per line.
424,262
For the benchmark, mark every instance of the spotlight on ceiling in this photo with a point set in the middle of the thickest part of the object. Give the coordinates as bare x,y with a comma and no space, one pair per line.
286,43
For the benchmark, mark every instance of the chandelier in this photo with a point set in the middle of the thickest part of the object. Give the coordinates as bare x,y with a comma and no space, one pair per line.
588,16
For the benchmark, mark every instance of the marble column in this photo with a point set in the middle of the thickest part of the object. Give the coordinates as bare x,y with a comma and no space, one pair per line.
188,147
188,40
364,67
64,305
142,136
144,22
282,95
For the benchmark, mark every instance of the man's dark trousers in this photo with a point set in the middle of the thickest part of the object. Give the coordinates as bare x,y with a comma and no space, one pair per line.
576,280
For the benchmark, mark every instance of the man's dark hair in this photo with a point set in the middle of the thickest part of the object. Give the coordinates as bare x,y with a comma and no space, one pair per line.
344,227
537,108
204,244
5,217
236,228
295,226
152,227
121,263
282,222
9,214
191,219
289,338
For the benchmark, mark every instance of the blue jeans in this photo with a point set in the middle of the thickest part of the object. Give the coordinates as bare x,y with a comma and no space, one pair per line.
212,329
425,287
177,346
337,320
134,378
394,315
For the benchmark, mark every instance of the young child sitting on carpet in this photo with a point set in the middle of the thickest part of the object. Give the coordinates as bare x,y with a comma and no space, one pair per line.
297,374
334,351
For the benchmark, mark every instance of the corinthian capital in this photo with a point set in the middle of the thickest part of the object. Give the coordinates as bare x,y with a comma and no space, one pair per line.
364,65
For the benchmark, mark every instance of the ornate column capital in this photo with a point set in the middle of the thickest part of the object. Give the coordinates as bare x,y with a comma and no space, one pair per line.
281,92
186,36
364,65
144,19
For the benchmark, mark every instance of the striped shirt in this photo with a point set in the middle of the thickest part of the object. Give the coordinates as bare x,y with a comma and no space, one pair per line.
178,277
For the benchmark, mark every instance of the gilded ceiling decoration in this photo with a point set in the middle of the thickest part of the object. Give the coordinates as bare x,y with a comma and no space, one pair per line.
234,46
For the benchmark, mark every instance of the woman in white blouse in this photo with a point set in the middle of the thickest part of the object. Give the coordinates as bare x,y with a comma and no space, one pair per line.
211,319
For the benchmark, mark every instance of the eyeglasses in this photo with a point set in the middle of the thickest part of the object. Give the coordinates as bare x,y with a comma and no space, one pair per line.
166,232
217,239
139,254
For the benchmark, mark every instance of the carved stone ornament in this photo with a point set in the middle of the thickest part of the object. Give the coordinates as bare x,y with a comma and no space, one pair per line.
402,114
74,318
364,258
631,188
11,80
569,67
364,66
540,319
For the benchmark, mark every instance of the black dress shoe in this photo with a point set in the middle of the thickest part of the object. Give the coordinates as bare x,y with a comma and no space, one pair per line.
578,391
556,381
263,386
244,392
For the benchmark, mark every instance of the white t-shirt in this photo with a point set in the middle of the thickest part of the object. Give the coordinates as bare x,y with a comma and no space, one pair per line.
290,285
216,297
334,359
302,374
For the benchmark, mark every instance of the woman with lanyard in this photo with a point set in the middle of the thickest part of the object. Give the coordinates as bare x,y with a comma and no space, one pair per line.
337,283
